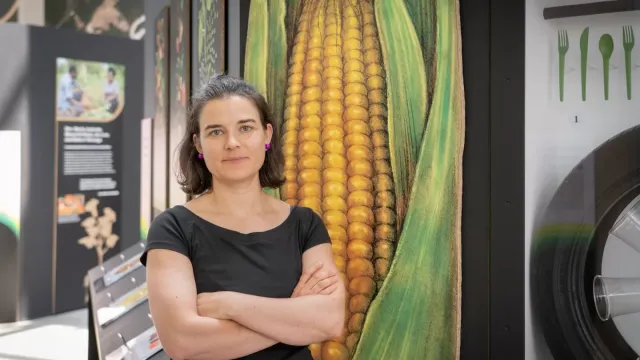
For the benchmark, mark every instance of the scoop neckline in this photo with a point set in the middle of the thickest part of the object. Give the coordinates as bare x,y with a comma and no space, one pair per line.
238,233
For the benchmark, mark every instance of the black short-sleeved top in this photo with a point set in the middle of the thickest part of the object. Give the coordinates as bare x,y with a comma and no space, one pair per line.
267,263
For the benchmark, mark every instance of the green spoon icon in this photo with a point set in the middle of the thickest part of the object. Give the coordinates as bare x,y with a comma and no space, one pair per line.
606,49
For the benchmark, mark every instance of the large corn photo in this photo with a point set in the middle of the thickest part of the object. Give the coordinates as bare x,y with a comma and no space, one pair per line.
369,99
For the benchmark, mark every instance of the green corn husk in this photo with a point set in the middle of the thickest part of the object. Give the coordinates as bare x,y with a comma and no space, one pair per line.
294,8
423,16
257,54
416,314
277,59
277,65
406,94
257,46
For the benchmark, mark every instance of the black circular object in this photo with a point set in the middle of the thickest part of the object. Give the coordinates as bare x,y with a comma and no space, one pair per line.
567,247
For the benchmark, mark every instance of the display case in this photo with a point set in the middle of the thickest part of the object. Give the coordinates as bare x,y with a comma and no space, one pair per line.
120,323
583,181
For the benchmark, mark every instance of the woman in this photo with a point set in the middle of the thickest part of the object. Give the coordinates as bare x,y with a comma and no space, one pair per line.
236,273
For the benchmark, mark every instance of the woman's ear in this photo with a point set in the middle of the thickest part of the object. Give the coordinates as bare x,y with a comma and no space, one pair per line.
196,143
268,134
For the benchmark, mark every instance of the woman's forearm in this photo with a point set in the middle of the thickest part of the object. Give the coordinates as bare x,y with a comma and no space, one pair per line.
296,321
212,339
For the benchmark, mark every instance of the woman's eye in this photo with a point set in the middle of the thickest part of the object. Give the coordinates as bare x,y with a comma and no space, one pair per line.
216,132
245,128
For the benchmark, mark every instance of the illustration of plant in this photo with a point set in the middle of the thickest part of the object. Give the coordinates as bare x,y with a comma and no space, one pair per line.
207,47
99,229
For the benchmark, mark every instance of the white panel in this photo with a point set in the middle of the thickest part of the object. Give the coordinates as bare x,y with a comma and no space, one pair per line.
10,181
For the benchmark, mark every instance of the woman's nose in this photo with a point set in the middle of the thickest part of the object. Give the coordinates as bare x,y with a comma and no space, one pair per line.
232,142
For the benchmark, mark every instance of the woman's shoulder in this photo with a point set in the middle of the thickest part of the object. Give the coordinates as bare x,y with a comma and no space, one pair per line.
305,217
174,219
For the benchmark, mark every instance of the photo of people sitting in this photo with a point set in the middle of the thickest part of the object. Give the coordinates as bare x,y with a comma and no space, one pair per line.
88,90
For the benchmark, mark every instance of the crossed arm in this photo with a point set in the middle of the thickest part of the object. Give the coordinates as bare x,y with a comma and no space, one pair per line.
227,325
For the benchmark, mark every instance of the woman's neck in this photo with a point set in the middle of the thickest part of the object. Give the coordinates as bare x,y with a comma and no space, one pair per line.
238,198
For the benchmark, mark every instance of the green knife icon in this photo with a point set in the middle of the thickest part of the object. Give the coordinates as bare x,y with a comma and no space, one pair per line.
584,50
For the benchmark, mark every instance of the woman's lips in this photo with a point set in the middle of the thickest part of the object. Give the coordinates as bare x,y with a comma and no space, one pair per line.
234,159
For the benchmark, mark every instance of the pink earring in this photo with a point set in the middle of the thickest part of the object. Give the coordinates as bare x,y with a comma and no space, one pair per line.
200,156
267,146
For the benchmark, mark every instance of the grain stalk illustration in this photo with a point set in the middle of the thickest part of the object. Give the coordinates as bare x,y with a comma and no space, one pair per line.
372,105
99,230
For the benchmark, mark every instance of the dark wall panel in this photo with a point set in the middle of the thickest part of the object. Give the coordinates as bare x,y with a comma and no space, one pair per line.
507,178
475,20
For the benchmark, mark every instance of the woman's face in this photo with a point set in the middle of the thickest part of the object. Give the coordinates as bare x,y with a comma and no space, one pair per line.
232,138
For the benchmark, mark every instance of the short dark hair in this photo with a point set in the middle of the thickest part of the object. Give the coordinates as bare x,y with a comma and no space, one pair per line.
193,175
72,68
111,70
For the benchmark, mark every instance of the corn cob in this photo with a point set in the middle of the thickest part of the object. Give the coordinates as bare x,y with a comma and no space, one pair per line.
291,118
385,232
360,170
337,152
334,177
310,164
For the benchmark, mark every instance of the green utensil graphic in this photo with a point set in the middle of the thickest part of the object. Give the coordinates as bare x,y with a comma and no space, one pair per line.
584,50
628,40
563,47
606,49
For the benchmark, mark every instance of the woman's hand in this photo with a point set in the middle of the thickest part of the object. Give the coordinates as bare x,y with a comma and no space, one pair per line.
217,305
317,281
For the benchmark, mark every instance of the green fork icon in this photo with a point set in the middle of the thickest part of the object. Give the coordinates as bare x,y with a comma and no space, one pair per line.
563,47
628,40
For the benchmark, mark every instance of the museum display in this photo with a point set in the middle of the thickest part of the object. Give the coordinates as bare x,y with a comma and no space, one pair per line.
71,103
141,347
120,312
123,270
90,99
578,246
122,305
618,296
606,47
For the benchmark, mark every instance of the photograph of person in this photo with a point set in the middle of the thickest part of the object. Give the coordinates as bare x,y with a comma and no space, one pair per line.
89,90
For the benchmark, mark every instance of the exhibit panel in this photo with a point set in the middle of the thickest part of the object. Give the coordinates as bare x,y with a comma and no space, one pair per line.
78,107
582,182
90,99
